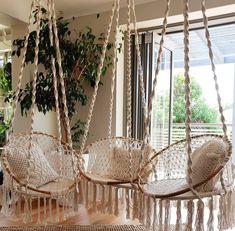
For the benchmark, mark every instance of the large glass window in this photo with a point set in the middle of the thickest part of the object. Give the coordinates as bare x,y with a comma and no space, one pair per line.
168,116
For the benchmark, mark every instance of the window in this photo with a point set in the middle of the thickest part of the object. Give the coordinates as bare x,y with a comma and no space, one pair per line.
167,119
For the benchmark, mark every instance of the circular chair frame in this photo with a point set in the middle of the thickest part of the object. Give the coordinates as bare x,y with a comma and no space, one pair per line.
110,181
195,186
7,167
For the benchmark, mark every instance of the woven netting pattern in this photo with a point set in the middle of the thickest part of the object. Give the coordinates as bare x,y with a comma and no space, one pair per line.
100,153
171,162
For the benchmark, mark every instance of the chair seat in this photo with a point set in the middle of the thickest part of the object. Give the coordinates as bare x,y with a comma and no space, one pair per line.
163,188
60,185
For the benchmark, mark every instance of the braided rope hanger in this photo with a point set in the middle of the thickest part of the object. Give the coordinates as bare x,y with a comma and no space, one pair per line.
187,99
93,99
52,26
213,68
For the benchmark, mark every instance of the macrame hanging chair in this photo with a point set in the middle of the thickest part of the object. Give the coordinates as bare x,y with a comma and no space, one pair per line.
191,184
113,162
38,166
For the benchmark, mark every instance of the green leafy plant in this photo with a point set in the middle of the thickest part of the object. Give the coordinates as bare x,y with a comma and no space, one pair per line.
80,61
201,112
5,79
5,91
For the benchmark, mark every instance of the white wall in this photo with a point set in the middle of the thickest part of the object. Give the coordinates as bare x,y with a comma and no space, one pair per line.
42,123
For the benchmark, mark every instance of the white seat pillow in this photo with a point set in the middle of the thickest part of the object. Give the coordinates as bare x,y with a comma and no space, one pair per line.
120,163
205,160
40,170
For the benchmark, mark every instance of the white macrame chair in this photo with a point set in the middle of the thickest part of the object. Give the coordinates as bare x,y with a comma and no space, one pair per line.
103,174
26,154
183,194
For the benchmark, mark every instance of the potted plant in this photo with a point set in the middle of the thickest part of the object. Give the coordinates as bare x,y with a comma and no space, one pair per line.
80,61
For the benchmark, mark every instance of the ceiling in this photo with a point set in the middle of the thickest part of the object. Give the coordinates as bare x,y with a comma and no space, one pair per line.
70,8
66,8
223,43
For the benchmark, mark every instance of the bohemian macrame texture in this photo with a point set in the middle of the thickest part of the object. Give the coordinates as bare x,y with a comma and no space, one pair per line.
185,186
40,168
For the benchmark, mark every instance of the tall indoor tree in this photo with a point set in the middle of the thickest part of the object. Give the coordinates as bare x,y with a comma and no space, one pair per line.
80,61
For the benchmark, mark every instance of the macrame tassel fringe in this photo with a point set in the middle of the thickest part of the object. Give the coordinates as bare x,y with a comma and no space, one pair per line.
26,219
135,205
39,212
50,211
167,216
140,198
116,206
127,204
210,223
18,207
149,213
178,216
57,210
44,211
229,209
190,209
110,200
94,197
103,199
233,208
160,222
155,215
87,194
75,201
80,192
200,216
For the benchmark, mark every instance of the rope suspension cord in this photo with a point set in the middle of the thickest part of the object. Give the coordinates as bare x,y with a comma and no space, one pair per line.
17,92
211,56
152,95
187,98
55,83
113,75
147,116
140,74
64,100
93,99
34,91
128,72
61,75
129,97
140,70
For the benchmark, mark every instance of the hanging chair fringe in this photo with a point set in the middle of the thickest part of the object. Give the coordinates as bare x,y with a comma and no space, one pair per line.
232,214
210,223
155,215
127,204
135,205
178,216
149,212
160,215
167,216
116,206
103,199
110,200
199,226
94,197
190,210
50,211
